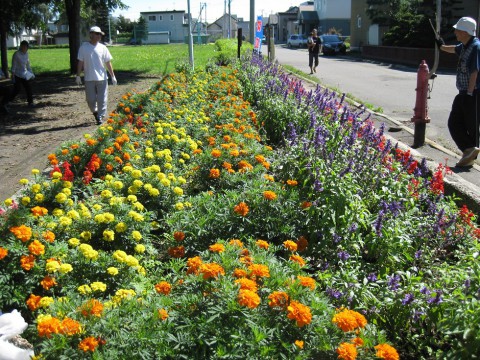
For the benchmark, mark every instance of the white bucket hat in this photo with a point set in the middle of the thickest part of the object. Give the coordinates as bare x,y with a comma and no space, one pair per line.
466,24
96,29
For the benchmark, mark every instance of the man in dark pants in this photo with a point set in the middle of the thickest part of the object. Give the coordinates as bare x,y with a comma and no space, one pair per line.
314,45
463,122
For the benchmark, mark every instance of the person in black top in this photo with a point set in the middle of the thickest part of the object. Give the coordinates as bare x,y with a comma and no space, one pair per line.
314,45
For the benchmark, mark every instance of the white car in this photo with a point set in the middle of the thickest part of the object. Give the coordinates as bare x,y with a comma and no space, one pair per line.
297,40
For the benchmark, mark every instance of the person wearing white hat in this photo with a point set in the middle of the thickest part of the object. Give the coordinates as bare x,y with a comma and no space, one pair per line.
93,57
463,122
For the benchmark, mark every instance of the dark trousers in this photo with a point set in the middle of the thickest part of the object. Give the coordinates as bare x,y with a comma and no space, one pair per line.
19,82
5,95
311,57
463,122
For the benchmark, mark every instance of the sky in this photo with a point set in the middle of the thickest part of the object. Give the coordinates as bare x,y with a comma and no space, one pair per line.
213,8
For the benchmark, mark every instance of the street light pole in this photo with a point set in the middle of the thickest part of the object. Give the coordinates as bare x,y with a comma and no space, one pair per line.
190,38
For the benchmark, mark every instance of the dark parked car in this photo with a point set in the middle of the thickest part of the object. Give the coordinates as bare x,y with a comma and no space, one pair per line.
332,44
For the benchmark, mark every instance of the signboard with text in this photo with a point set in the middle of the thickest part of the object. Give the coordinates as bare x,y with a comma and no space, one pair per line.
257,45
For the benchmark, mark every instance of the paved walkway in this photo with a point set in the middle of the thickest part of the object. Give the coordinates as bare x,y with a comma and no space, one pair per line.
464,182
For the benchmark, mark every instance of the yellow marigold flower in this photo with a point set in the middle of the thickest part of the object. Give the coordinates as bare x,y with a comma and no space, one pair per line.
298,259
65,221
278,299
179,206
61,198
88,344
241,209
248,298
22,232
112,271
387,352
246,284
300,313
307,281
290,245
211,270
163,287
3,253
98,286
74,242
299,344
45,302
36,248
218,248
347,351
86,235
35,171
39,198
259,270
65,268
349,320
131,261
121,227
108,235
269,195
25,200
120,255
162,314
52,266
8,202
139,248
262,244
178,191
84,289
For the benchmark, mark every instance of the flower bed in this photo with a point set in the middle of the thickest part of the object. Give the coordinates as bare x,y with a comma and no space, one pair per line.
195,225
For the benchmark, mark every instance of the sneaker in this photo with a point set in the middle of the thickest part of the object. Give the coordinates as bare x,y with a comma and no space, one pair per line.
468,158
97,119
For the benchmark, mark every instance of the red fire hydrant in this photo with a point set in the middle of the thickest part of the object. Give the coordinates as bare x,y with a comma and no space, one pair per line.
420,116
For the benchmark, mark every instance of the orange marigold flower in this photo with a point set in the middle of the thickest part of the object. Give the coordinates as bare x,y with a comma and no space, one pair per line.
22,232
36,248
248,298
299,344
349,320
300,313
302,243
218,248
70,327
241,209
197,151
193,264
306,204
214,174
48,326
387,352
262,244
27,262
239,273
259,270
176,251
246,284
39,211
292,182
163,287
298,259
290,245
51,157
234,153
49,236
162,314
269,195
33,302
244,165
236,242
357,341
92,307
227,165
307,281
211,270
269,177
88,344
216,153
48,282
347,351
3,253
76,159
260,158
179,235
278,299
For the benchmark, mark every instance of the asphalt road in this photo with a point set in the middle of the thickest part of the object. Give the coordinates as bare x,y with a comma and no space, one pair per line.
385,86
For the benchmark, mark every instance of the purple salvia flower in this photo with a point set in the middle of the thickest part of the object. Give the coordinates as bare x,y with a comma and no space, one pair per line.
393,282
343,255
372,277
408,299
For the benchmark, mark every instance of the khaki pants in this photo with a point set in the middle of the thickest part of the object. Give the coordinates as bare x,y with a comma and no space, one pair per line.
97,96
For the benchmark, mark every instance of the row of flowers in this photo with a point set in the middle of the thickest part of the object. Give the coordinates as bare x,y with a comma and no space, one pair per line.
143,241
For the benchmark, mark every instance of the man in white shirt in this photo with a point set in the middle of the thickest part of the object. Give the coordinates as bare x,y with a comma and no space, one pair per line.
93,57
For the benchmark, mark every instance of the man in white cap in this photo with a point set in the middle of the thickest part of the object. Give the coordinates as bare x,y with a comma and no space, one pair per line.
92,58
463,122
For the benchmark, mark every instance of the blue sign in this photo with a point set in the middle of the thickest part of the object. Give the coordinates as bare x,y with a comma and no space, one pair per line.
257,45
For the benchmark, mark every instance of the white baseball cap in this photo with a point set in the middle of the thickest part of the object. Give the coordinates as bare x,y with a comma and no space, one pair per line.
96,29
466,24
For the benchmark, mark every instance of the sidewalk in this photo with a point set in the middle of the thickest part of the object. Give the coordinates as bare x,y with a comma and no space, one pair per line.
463,183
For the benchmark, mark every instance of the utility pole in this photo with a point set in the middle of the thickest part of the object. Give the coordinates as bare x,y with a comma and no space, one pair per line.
252,21
190,38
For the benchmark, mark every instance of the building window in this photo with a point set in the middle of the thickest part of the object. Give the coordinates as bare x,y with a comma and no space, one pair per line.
160,17
171,17
152,18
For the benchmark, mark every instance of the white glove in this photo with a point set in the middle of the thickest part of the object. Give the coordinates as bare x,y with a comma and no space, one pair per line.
114,80
78,80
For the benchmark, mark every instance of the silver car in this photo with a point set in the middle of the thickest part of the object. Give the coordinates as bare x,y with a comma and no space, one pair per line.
297,40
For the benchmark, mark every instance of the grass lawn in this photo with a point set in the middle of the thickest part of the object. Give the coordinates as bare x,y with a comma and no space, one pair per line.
153,59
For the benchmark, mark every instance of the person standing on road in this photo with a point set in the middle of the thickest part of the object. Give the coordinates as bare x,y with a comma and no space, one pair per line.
92,58
22,74
314,45
463,122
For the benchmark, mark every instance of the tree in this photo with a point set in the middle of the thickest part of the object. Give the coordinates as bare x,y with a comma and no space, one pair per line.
124,25
140,29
